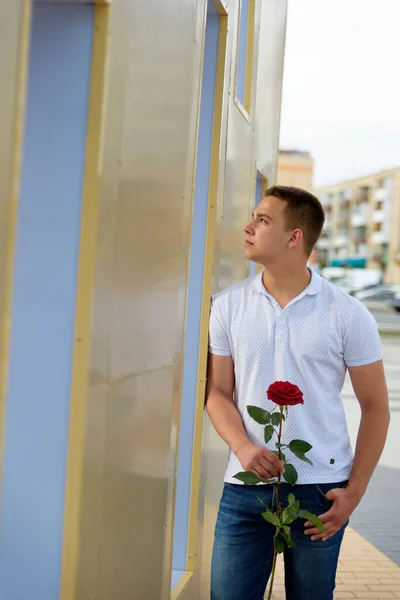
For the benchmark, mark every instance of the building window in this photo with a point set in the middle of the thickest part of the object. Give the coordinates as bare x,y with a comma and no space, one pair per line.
245,52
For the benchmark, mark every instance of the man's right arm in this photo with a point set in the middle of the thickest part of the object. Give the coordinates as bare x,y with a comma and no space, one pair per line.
228,423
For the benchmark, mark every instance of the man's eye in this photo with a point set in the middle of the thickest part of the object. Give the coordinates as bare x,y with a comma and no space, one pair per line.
263,220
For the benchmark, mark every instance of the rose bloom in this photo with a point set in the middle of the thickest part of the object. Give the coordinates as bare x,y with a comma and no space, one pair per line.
285,393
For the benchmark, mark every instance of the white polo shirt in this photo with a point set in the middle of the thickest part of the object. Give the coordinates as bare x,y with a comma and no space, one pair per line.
310,343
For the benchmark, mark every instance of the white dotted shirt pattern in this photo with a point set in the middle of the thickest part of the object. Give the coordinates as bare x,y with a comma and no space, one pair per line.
310,343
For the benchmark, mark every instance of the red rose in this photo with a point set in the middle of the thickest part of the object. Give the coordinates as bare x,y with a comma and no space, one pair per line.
285,393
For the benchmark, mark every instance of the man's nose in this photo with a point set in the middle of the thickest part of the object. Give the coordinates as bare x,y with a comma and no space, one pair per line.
249,229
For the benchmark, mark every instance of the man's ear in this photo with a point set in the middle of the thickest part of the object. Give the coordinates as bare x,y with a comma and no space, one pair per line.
295,238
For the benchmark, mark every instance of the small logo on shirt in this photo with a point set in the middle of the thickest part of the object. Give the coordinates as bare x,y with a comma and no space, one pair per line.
332,461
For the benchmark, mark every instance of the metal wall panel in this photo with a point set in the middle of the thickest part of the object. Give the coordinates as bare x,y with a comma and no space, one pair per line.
138,315
195,292
250,144
228,269
139,299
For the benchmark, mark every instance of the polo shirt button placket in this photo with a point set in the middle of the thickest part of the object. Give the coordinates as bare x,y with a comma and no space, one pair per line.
280,345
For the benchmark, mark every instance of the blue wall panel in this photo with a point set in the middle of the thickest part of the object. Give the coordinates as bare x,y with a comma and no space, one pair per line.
37,410
194,300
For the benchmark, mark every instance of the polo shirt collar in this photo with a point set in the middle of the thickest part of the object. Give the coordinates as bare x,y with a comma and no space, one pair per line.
314,287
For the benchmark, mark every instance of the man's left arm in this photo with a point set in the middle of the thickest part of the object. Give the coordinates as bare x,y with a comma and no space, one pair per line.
370,388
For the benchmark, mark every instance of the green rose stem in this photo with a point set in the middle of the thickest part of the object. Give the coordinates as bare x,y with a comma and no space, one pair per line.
278,505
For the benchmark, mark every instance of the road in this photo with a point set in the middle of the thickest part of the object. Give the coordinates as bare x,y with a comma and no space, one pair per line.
387,318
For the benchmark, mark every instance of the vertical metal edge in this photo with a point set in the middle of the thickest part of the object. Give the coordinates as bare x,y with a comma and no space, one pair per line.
250,51
200,28
207,290
245,108
11,211
256,47
264,187
250,89
281,92
85,282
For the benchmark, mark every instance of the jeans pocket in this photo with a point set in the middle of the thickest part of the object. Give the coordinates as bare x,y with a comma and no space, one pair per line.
322,496
323,488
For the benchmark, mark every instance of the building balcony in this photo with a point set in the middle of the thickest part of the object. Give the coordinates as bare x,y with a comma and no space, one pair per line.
324,243
378,216
343,217
340,241
380,194
327,203
362,251
360,239
363,197
344,197
359,219
379,237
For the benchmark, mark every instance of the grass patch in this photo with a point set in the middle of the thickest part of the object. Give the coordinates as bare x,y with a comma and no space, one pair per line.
389,333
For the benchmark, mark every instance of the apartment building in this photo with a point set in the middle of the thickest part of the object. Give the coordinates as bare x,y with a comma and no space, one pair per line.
295,168
362,227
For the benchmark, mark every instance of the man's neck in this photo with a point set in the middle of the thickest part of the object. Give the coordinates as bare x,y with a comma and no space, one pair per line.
285,284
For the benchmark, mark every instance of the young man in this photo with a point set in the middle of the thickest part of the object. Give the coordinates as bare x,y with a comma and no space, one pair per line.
289,324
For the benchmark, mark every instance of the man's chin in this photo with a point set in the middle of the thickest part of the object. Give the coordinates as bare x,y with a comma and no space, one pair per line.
250,254
253,257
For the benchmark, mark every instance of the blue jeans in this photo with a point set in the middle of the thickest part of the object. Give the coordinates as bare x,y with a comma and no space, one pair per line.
243,545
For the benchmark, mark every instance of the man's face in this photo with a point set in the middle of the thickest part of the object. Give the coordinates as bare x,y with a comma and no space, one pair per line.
266,234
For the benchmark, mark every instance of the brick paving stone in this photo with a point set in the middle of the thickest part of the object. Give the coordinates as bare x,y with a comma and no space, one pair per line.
375,578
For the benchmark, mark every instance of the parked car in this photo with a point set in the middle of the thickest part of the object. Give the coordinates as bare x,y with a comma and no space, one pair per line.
381,295
353,280
366,288
396,300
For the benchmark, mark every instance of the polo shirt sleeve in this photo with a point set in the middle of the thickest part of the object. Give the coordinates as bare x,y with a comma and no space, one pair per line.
218,342
362,342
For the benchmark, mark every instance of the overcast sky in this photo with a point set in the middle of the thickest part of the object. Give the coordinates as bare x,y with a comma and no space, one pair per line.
341,89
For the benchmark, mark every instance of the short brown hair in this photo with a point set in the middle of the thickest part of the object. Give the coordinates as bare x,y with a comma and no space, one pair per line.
303,211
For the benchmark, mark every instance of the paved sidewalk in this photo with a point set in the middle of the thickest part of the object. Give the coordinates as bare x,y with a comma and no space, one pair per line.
377,518
364,572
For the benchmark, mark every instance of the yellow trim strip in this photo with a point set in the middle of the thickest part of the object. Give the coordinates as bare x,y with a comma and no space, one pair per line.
263,173
86,273
11,231
207,290
248,76
221,6
181,585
